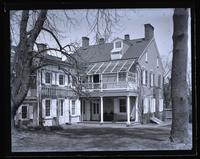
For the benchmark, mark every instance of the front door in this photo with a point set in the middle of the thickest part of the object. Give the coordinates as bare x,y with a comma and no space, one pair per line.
95,110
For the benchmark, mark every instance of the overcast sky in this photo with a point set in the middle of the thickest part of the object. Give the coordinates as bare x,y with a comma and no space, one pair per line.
130,21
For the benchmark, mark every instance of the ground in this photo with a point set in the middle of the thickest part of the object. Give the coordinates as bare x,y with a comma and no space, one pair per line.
96,138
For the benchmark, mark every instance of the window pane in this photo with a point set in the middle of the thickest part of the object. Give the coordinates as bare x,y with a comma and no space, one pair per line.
73,107
24,112
122,103
47,77
47,105
122,76
61,107
61,79
118,44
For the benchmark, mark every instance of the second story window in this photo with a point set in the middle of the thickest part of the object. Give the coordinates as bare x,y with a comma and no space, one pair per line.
48,77
157,64
144,77
61,79
122,76
146,56
118,44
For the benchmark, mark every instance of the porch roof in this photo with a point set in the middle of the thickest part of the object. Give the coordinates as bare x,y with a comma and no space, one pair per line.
110,66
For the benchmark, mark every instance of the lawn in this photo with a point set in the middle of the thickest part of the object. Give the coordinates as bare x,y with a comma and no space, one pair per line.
75,138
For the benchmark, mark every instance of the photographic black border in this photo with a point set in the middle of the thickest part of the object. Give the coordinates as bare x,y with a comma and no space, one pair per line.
7,5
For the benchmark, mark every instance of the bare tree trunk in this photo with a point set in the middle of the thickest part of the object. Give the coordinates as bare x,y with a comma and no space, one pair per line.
20,81
180,115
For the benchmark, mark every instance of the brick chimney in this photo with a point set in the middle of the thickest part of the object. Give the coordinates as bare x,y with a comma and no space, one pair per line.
42,46
126,37
149,31
101,41
85,42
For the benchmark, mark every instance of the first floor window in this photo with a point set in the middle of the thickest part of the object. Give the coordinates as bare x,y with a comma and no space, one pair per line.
47,77
24,112
47,107
73,107
61,107
122,105
61,79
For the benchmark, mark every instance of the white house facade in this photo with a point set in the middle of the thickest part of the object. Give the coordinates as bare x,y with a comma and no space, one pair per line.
124,80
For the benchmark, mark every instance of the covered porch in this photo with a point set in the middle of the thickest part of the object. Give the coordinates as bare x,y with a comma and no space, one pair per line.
103,109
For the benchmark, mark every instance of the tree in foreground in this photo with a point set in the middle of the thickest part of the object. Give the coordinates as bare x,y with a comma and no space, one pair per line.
180,114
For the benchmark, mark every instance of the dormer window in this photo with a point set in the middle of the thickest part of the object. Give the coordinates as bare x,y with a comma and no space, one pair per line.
118,44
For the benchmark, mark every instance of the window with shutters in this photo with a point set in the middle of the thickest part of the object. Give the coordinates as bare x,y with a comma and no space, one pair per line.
122,105
24,112
73,107
48,77
61,79
47,107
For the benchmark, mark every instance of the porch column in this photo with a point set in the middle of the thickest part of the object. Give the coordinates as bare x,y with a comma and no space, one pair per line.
136,110
128,110
101,110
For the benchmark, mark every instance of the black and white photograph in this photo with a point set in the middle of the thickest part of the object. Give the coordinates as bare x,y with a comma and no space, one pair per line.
104,79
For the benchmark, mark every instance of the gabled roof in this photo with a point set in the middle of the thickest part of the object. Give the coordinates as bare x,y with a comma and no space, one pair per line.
101,52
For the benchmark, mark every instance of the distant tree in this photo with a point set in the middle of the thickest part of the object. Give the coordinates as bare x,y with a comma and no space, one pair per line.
179,129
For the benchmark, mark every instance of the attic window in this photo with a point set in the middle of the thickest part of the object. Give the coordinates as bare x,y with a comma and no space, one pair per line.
118,44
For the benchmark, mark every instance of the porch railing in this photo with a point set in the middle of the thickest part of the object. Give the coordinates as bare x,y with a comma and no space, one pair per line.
111,86
54,91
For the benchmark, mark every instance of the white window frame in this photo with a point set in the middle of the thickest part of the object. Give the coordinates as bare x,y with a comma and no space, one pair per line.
73,107
26,112
59,100
60,74
116,44
50,77
49,108
120,105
